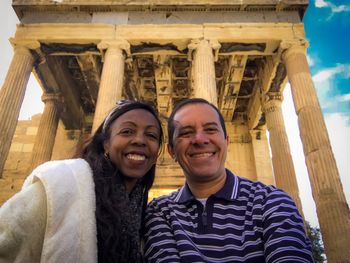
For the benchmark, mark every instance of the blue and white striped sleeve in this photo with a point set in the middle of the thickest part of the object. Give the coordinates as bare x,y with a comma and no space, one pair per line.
160,244
284,235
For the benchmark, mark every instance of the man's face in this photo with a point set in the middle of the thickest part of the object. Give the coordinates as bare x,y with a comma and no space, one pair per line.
199,143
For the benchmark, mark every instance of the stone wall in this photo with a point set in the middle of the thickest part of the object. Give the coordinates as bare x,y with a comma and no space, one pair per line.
17,163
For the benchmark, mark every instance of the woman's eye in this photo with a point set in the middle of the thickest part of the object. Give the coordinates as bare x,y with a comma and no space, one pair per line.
153,135
126,132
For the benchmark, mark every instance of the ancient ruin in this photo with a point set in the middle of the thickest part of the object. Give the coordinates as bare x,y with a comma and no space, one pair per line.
237,54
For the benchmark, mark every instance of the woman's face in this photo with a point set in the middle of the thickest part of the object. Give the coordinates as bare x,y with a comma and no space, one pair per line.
133,144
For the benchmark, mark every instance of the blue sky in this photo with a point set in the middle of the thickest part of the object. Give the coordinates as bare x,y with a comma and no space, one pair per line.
327,26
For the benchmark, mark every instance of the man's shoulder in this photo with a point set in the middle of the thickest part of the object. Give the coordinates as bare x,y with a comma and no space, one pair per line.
165,200
249,187
260,191
258,185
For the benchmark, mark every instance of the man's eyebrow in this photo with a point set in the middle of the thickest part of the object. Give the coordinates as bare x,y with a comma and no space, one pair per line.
211,123
181,127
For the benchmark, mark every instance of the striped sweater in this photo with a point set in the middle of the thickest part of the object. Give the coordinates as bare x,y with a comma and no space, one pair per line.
243,222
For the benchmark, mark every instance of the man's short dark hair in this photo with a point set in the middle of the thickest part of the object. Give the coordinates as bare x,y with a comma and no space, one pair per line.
171,126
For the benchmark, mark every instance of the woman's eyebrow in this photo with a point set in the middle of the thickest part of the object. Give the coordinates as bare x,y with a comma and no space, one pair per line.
135,124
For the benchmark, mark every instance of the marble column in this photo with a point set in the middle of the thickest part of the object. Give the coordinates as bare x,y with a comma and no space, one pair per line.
45,138
203,54
331,206
12,95
112,79
282,161
261,156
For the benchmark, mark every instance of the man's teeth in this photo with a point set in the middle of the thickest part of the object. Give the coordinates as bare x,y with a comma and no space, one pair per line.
136,157
200,155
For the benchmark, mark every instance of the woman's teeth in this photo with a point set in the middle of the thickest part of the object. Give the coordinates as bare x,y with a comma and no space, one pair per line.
136,157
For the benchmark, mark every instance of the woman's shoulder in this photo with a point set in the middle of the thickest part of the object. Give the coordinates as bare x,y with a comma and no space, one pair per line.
76,163
53,172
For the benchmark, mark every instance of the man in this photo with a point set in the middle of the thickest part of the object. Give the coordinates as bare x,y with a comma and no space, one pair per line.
217,216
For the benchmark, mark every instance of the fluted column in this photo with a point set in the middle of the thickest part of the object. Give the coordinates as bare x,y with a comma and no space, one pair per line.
281,157
204,53
12,95
45,138
261,155
332,208
112,78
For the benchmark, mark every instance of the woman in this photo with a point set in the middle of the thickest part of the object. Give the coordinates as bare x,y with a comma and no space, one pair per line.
88,209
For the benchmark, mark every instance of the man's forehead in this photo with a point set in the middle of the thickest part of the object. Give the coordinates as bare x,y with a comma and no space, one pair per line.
196,113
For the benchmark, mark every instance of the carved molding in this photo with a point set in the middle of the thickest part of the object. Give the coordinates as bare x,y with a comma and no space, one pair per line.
272,101
291,47
195,43
120,44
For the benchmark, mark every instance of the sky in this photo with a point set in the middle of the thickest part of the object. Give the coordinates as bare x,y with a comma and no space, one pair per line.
327,26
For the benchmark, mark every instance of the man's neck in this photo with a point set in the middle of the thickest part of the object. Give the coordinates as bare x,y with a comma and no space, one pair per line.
204,189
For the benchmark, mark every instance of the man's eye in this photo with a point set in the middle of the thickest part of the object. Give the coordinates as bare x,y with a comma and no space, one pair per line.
211,130
185,133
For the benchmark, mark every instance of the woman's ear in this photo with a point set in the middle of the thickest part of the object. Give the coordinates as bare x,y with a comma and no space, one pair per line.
106,146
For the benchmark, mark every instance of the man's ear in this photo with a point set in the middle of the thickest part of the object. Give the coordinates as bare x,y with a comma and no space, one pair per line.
171,151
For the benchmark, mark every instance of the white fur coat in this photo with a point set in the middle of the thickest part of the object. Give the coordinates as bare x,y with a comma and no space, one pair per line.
52,219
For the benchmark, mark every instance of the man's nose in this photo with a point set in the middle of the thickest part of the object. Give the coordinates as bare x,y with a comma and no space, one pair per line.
200,138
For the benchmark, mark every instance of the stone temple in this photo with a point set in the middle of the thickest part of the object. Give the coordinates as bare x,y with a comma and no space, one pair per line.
239,55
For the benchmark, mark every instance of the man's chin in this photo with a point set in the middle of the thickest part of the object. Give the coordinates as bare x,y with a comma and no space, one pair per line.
201,175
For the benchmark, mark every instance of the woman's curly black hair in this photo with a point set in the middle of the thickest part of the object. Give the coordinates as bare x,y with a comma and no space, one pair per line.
111,208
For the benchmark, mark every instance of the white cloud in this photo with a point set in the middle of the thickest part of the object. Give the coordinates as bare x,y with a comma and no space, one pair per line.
344,98
338,126
341,8
310,60
324,74
327,73
320,3
324,83
333,7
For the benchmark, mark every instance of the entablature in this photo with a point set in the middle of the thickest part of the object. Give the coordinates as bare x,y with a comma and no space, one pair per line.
158,64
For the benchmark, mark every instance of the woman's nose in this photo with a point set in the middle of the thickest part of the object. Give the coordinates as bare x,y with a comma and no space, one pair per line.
139,138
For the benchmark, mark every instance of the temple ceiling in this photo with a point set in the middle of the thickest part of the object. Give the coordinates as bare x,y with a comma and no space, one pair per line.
161,75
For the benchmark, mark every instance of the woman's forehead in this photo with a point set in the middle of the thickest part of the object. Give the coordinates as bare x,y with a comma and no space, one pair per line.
137,117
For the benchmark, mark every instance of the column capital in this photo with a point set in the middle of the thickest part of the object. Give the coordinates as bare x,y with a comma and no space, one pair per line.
196,43
51,96
56,98
121,44
272,101
24,44
289,47
255,134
